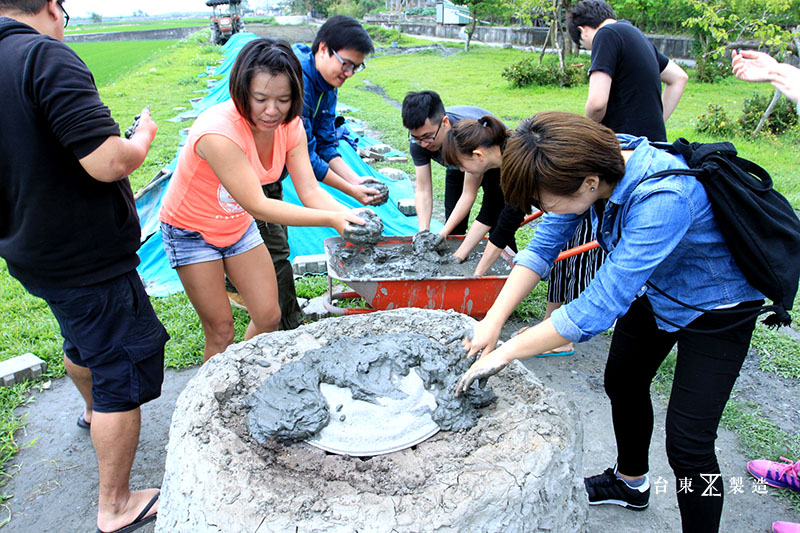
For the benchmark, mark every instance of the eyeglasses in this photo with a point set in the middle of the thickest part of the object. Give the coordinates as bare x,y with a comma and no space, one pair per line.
66,15
349,66
427,138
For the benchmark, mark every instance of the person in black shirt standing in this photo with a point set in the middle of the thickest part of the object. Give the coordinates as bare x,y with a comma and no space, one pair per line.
69,233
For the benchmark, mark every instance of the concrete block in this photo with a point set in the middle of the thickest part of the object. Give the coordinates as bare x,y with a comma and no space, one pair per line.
188,116
309,264
381,148
407,207
18,369
392,173
397,159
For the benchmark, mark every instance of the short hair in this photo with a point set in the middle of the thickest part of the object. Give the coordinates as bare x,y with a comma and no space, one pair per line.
467,135
30,7
590,13
343,32
272,56
421,105
555,152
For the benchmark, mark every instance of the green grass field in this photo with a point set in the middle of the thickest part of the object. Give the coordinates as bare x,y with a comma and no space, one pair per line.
130,76
77,28
111,60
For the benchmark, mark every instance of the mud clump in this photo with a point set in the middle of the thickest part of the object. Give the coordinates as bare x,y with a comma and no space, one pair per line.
368,234
289,405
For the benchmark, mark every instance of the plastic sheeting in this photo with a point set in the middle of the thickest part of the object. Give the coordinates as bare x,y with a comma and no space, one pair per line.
161,280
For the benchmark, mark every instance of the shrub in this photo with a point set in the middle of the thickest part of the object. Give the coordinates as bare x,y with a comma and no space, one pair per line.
379,34
528,72
782,119
715,122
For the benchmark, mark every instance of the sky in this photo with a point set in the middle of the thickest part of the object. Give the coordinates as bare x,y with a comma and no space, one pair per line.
106,8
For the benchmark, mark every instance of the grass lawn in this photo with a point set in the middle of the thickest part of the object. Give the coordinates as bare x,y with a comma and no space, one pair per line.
165,77
111,60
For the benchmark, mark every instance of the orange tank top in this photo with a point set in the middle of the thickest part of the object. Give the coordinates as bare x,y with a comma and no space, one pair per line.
196,200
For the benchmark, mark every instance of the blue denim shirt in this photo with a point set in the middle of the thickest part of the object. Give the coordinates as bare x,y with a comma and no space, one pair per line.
319,113
662,230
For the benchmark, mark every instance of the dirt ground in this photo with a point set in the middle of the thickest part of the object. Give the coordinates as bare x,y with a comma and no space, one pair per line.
54,484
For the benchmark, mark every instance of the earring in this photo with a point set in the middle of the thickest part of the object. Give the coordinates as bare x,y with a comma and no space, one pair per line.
592,189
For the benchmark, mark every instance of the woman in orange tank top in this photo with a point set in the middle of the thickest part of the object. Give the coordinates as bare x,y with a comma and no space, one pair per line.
207,214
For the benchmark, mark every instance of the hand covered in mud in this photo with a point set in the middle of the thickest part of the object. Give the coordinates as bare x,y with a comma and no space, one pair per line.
484,337
487,365
377,191
425,241
368,232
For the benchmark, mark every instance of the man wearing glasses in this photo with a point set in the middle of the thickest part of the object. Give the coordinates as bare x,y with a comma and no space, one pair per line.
338,52
428,122
69,233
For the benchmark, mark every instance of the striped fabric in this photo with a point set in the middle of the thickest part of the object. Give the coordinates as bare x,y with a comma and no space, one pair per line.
571,276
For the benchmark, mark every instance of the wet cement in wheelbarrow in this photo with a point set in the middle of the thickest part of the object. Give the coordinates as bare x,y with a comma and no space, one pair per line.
402,261
290,407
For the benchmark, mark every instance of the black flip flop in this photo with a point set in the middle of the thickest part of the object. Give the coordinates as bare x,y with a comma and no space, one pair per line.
82,423
140,520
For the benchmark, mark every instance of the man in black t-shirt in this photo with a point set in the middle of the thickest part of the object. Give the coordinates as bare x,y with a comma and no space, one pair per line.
626,73
69,233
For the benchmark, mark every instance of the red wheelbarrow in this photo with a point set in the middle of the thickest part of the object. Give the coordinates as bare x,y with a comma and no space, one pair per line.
471,296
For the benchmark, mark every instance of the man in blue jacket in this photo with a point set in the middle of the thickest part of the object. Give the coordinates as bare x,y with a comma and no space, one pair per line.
338,52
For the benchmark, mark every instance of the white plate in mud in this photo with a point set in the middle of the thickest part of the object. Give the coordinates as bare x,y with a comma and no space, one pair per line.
362,428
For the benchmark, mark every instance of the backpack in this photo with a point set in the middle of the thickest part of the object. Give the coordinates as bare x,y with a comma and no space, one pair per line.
758,224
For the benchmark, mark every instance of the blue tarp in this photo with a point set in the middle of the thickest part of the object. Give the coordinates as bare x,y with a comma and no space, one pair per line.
161,280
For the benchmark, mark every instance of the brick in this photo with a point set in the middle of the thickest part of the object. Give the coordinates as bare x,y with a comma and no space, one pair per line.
380,148
407,207
18,369
393,173
397,159
309,264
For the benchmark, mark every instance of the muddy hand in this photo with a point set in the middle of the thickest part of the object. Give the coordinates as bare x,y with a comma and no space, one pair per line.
459,335
425,241
480,370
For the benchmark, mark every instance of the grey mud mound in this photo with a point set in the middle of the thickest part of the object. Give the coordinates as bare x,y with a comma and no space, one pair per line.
519,469
404,260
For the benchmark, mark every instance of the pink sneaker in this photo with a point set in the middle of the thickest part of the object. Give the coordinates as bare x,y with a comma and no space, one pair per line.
785,527
784,475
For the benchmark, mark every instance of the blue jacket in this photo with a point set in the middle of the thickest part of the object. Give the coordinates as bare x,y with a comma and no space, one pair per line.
662,230
319,112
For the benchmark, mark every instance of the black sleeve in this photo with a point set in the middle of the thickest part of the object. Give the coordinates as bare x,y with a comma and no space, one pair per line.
508,223
661,58
605,52
66,97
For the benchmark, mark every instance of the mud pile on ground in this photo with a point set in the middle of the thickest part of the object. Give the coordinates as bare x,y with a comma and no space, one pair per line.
518,469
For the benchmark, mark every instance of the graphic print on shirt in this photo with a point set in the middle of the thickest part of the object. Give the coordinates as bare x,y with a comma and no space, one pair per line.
227,203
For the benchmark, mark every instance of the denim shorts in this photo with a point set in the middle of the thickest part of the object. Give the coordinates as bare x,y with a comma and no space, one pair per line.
186,247
111,329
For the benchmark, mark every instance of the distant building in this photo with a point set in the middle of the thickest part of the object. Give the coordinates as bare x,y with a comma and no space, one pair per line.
449,13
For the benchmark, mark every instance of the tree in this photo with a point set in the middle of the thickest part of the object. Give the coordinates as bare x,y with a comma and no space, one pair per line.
482,9
96,18
554,12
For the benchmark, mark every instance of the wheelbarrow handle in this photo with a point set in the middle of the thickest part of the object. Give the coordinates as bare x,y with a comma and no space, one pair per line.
578,250
329,298
531,217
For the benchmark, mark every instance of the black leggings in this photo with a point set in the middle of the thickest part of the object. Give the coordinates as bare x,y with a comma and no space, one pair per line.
706,369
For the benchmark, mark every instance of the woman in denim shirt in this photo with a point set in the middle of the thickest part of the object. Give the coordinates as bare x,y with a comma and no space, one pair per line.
662,231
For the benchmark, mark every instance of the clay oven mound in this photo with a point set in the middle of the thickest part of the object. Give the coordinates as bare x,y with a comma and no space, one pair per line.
519,469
